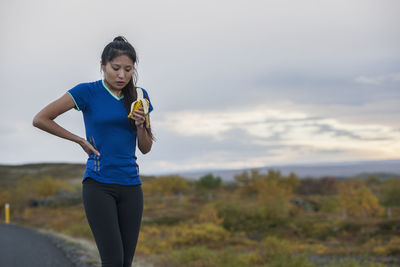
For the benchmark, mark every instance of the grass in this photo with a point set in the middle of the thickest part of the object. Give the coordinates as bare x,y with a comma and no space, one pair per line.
193,229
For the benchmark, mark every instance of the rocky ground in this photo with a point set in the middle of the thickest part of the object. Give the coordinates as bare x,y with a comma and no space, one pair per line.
81,252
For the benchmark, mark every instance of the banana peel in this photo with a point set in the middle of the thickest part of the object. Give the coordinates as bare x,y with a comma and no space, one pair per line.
141,102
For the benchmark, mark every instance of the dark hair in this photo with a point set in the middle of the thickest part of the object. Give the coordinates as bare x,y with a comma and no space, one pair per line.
118,47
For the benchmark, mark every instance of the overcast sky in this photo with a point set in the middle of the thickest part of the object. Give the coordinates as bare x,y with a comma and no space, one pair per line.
233,83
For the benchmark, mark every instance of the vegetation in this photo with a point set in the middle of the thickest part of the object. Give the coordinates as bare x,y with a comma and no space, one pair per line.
261,219
208,181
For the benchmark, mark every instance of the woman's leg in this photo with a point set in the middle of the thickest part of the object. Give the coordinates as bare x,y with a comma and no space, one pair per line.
130,209
100,202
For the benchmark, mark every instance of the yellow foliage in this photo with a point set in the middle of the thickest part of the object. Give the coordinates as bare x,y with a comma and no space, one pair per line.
290,183
47,186
208,213
5,197
201,256
153,240
21,193
391,248
69,220
162,239
328,204
253,258
166,185
271,190
29,187
274,199
206,233
273,245
317,248
358,200
266,184
278,252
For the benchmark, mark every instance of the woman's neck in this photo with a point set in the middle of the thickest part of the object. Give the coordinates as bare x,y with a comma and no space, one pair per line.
116,92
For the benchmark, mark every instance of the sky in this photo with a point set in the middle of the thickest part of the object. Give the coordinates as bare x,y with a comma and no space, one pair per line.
234,84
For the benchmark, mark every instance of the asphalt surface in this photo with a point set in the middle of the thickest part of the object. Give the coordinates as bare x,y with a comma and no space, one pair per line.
24,247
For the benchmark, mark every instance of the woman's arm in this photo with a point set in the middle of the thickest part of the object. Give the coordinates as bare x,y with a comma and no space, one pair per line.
44,120
144,140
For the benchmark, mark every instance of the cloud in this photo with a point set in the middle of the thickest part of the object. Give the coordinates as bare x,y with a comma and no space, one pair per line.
215,123
271,127
379,79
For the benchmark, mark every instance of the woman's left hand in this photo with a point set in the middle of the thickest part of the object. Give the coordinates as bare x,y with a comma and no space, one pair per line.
139,118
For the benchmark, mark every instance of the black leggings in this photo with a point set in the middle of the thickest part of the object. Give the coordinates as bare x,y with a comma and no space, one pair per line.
114,214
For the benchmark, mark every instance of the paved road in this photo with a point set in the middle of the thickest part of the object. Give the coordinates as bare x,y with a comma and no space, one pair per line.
25,247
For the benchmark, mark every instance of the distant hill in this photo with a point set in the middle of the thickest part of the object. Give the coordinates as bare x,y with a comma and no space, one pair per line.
9,174
380,168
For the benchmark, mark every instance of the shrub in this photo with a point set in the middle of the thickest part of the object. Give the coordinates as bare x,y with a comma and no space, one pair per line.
154,240
352,263
358,200
162,239
201,256
323,186
277,253
5,197
47,186
28,188
255,221
316,229
208,213
260,184
391,193
208,181
329,204
392,248
166,185
234,219
206,234
197,256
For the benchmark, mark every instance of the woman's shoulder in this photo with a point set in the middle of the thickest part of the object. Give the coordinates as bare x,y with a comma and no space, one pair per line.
88,84
92,86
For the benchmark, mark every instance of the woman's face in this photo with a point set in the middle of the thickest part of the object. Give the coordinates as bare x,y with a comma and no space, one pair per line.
118,72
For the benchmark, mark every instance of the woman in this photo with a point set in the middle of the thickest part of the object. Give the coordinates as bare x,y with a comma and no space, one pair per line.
111,187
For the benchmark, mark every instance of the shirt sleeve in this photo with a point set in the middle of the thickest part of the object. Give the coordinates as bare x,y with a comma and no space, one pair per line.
146,95
80,95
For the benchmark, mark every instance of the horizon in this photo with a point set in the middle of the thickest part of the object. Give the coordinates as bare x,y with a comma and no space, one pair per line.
205,171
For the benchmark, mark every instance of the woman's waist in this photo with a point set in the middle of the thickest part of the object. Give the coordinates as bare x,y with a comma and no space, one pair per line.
113,157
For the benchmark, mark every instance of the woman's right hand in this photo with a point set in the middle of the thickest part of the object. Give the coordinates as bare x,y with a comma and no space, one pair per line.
88,147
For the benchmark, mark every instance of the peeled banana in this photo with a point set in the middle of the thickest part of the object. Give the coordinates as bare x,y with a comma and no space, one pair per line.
141,102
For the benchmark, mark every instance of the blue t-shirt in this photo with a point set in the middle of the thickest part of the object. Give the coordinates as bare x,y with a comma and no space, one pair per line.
109,131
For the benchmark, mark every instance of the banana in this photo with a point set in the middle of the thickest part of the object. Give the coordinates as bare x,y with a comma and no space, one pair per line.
140,102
